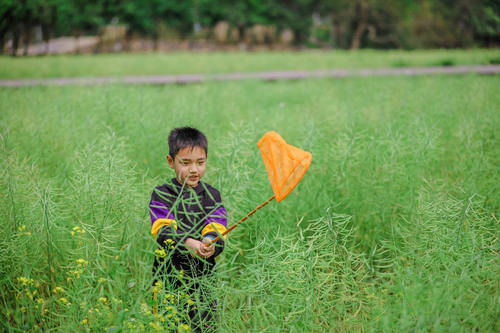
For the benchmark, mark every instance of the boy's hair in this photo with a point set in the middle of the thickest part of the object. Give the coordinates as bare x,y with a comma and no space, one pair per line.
183,137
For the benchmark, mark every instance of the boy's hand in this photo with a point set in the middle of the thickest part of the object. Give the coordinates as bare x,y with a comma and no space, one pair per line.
206,251
198,248
193,245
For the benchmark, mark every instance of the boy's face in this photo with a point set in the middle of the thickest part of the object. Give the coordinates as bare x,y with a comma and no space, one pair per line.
189,165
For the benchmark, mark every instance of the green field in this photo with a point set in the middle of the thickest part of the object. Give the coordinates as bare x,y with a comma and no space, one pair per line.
394,228
226,62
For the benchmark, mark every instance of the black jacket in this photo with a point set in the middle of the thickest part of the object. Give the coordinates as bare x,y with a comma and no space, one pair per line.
179,212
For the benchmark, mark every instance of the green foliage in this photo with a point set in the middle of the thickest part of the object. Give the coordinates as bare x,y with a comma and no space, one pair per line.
393,228
78,17
340,24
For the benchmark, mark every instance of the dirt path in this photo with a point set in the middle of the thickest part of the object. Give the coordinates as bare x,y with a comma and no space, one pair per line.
269,76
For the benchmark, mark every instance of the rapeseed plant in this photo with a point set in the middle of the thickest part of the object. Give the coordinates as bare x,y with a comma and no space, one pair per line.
395,227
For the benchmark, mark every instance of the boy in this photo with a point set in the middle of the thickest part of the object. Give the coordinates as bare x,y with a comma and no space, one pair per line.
186,214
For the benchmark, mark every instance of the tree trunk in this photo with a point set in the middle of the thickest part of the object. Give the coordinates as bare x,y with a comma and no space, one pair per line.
16,34
332,34
156,34
128,40
77,41
27,36
155,42
46,31
2,42
362,25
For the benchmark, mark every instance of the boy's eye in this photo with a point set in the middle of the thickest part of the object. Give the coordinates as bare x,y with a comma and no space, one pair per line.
187,163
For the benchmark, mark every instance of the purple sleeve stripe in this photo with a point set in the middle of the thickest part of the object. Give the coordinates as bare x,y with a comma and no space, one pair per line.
158,210
218,216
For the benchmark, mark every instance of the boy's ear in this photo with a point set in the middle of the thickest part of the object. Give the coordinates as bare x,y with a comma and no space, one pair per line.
170,161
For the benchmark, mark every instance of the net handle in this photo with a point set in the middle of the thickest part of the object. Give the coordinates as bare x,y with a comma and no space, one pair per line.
240,221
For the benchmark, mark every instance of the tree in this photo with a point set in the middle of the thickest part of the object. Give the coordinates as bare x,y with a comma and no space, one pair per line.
77,17
8,15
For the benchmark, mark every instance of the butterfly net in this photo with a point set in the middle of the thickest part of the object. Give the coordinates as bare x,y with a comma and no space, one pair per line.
285,164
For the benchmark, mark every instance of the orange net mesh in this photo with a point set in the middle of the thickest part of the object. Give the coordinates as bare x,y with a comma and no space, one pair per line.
285,164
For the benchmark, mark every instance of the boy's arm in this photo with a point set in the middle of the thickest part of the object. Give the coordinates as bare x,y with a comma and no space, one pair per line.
215,224
163,223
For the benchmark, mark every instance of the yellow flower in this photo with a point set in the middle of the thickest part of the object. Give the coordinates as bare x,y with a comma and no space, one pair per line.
157,287
75,273
82,262
190,302
156,326
160,253
23,309
29,294
58,290
103,300
183,328
25,281
84,322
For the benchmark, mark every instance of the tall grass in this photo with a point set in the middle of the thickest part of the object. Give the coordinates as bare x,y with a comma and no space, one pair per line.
393,228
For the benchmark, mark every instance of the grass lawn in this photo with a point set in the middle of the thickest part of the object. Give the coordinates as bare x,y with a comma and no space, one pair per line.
213,63
393,228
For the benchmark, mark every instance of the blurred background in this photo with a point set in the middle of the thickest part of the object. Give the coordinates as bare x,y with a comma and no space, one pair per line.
38,27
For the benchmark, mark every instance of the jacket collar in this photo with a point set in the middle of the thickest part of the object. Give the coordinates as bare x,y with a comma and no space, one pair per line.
198,189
